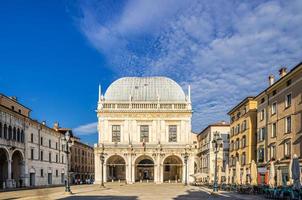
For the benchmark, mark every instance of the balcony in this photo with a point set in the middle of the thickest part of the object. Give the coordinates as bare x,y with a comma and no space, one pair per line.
205,147
144,106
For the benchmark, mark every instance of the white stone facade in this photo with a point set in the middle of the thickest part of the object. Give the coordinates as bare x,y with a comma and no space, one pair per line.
21,164
46,162
206,152
144,127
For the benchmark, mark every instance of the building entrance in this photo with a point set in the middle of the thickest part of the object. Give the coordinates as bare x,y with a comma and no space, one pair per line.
32,179
173,169
116,168
144,169
17,168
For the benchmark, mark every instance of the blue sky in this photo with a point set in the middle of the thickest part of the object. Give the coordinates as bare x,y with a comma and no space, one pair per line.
53,54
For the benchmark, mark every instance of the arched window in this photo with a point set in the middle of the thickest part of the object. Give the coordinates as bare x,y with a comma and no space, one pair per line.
18,135
14,133
0,130
5,131
22,136
10,132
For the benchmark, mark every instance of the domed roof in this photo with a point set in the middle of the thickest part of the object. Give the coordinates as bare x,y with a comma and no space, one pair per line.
145,89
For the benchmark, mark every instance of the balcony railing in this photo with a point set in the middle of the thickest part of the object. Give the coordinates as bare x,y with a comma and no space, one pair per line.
144,106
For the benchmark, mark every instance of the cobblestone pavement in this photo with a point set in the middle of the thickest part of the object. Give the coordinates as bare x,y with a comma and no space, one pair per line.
117,191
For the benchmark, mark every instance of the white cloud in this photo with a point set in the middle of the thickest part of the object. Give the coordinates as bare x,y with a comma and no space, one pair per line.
224,49
86,129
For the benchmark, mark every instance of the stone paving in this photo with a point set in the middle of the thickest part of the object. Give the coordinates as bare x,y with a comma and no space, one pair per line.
112,191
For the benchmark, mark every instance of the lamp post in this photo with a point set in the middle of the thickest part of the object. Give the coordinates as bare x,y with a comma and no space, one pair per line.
216,142
186,156
67,143
102,158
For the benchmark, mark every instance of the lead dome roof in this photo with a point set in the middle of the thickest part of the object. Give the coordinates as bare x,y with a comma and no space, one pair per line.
145,89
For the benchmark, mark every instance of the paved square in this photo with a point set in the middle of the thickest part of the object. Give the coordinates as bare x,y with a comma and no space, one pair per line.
125,192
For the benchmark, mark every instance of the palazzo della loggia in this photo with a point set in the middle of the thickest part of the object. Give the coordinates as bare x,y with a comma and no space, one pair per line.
144,132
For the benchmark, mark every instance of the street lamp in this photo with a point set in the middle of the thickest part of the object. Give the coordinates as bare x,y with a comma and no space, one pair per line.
102,158
216,142
67,143
186,156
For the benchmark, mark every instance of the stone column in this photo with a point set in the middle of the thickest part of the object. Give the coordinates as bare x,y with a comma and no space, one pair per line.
183,171
105,172
9,181
161,169
156,168
129,170
190,169
161,175
97,170
9,169
133,171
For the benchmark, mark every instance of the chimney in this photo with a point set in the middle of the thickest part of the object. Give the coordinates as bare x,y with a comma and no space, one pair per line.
56,126
282,72
271,79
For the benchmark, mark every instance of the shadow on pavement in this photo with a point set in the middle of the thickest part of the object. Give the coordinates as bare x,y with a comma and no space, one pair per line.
100,197
194,195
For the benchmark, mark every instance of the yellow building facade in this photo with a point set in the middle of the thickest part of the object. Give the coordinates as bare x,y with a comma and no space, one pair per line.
243,135
279,123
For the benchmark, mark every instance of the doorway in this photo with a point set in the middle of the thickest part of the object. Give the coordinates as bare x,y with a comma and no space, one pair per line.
172,169
144,169
116,168
49,178
32,177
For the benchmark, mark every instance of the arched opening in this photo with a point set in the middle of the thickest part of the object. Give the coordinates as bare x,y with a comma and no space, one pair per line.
10,132
172,169
144,170
22,136
1,130
14,134
116,168
3,166
5,131
17,168
18,135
